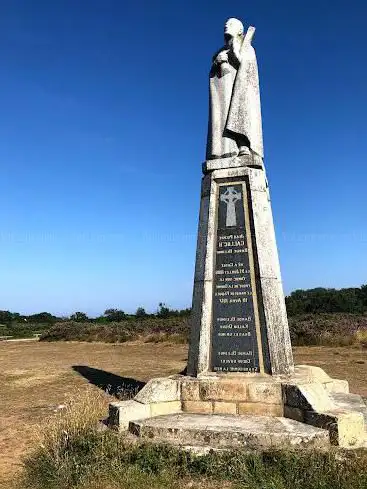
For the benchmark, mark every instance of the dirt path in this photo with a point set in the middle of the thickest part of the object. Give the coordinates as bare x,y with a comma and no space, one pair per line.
37,377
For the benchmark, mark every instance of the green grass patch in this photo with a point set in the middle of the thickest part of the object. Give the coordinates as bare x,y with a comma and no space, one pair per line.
75,454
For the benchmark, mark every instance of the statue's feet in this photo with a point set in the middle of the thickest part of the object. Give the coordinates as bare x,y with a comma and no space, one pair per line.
244,151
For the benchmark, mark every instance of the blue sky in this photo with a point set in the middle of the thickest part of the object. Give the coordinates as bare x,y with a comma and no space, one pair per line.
102,134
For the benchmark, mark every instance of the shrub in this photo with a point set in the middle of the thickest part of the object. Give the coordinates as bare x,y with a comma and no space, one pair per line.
305,329
149,328
327,329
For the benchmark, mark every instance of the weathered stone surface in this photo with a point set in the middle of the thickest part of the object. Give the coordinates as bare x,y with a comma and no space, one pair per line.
264,231
160,390
228,173
305,374
269,281
121,413
220,407
346,429
190,390
225,431
310,397
160,408
232,162
337,386
350,402
267,392
197,407
199,351
280,347
294,413
223,390
235,114
310,373
258,409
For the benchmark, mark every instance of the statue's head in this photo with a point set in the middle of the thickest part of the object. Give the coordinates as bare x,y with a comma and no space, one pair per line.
233,29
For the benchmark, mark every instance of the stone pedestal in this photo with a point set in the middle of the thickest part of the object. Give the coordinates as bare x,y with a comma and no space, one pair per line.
241,388
239,319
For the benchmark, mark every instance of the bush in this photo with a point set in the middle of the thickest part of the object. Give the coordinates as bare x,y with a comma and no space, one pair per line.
149,329
306,329
75,454
328,329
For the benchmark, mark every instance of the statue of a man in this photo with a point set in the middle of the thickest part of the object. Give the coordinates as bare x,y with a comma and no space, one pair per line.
235,114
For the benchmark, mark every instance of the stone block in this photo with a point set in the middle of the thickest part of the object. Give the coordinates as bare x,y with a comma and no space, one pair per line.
257,409
346,429
224,407
294,413
121,413
229,173
310,397
267,392
231,432
230,162
190,390
223,390
310,373
337,386
159,390
161,408
201,407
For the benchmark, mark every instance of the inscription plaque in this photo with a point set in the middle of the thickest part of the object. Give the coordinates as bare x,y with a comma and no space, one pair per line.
236,338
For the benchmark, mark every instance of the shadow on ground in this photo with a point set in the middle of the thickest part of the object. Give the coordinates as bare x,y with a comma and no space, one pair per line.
120,387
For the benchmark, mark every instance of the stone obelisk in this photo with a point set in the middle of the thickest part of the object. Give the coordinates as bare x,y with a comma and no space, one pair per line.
239,320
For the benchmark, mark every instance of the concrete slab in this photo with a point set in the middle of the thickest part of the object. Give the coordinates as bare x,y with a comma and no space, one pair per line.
226,431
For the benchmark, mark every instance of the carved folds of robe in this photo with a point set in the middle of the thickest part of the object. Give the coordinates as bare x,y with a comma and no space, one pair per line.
234,107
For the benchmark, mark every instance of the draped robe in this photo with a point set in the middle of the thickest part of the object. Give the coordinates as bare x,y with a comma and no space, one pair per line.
234,107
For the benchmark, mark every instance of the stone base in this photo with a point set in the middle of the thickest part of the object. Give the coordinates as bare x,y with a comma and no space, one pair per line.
308,397
233,162
225,431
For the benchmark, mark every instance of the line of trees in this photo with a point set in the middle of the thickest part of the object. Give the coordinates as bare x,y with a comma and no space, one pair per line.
311,301
321,300
109,316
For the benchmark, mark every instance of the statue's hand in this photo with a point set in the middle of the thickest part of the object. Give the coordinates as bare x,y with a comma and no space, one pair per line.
222,57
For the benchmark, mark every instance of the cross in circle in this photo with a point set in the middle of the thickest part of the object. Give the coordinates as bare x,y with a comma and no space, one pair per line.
230,197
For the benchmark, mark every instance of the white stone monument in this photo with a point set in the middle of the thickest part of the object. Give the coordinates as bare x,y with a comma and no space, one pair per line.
225,292
241,388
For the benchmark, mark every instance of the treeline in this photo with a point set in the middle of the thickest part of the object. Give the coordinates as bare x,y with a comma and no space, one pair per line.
15,325
109,316
321,300
311,301
350,301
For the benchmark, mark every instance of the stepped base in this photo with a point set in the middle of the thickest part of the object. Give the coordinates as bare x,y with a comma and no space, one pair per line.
227,431
308,397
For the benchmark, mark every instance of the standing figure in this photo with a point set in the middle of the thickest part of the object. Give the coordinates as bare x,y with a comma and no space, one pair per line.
235,127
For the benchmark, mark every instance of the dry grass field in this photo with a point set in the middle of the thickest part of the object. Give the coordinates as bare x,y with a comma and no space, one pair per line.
36,378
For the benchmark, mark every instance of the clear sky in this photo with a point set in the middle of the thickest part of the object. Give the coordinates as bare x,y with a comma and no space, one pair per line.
102,134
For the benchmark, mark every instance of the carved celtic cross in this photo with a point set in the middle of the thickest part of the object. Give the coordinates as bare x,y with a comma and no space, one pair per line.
230,197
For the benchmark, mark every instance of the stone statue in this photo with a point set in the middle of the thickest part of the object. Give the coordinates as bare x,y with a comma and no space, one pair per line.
235,127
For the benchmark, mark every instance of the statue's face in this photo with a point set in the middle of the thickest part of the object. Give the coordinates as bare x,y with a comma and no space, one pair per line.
232,28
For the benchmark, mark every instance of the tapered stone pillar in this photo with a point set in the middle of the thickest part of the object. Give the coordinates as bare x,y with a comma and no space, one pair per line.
239,319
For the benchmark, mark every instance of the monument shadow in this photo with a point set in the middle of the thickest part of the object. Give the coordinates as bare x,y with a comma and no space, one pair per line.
115,385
